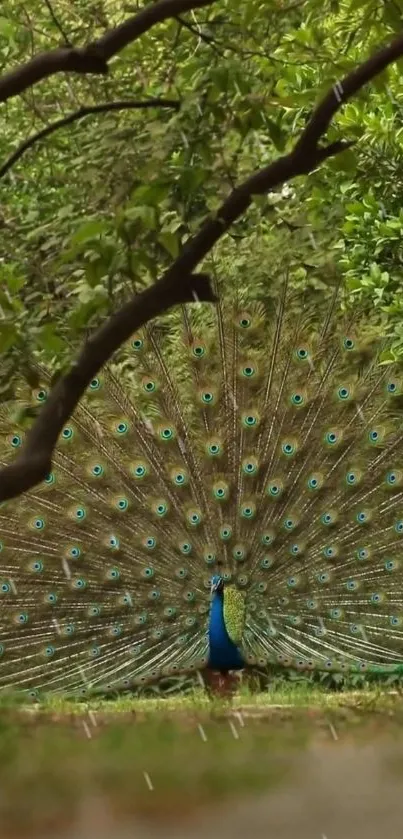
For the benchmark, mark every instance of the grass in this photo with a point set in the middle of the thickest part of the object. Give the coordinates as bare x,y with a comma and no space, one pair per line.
194,752
291,695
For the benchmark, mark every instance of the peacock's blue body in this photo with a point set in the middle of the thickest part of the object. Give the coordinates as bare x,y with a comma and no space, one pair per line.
224,655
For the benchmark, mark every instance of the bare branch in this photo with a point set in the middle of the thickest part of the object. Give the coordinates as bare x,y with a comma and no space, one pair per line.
179,284
58,24
84,112
35,462
95,56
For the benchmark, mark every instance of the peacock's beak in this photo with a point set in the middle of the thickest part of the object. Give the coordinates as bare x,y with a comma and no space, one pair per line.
214,587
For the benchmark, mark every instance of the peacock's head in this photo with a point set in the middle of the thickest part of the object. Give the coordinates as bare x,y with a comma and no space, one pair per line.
217,584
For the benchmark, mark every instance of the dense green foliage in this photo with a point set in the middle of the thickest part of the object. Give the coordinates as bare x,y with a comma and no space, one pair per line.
99,208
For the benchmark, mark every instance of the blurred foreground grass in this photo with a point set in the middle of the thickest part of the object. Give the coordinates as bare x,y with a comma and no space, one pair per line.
163,760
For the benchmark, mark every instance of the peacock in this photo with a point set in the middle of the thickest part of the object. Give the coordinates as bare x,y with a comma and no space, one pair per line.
227,495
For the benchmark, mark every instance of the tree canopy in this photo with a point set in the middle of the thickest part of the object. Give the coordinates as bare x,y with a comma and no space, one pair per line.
142,143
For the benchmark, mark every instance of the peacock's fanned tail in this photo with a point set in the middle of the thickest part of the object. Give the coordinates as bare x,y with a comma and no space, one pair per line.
263,443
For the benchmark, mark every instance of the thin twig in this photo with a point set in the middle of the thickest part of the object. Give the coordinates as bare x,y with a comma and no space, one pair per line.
80,114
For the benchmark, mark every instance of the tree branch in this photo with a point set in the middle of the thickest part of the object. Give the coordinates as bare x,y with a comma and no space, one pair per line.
95,56
84,112
179,284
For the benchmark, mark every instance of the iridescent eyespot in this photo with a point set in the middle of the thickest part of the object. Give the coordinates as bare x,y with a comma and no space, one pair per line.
249,420
391,565
185,547
149,386
288,448
194,517
250,466
41,395
267,538
79,583
333,437
247,511
15,441
67,433
297,399
207,397
393,387
220,492
122,427
244,322
293,581
274,489
348,343
248,371
343,393
213,449
50,479
97,470
166,433
330,551
137,343
328,518
180,478
38,523
394,478
353,478
198,350
225,533
95,384
266,562
302,353
37,566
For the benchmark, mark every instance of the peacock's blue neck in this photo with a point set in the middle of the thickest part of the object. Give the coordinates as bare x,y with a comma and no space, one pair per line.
223,653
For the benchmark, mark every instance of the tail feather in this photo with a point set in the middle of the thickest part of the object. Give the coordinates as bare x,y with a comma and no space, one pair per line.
258,440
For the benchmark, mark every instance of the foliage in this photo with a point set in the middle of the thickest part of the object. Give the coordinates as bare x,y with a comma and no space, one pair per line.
98,209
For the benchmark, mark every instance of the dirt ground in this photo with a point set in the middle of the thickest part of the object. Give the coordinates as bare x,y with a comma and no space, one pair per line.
339,791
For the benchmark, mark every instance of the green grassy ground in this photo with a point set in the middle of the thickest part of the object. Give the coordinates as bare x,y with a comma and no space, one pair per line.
166,759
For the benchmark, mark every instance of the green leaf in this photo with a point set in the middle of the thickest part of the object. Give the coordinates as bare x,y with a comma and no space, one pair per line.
49,340
8,336
89,230
346,161
276,134
170,241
